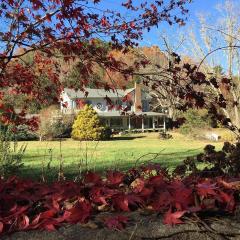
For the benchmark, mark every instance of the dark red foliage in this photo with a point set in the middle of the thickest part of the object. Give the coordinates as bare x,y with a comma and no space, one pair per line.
114,177
26,205
80,212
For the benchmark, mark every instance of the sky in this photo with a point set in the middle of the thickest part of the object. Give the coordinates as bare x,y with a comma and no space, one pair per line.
195,8
207,8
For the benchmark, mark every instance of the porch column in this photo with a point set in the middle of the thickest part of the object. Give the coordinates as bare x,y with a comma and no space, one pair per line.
142,124
153,119
164,124
129,123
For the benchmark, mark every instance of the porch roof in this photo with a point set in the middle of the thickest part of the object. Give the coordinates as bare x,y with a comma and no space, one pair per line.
120,114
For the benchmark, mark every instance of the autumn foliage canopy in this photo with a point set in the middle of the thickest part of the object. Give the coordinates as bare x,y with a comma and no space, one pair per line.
69,29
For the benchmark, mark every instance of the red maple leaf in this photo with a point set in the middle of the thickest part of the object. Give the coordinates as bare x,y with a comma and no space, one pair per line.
92,177
157,181
80,212
206,188
48,214
173,218
101,194
120,202
123,201
48,224
181,195
228,199
23,222
114,177
146,192
163,200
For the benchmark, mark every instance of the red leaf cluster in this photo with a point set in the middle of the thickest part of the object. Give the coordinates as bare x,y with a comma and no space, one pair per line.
27,205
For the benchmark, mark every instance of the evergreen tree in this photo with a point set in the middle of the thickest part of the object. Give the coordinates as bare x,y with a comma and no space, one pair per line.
87,125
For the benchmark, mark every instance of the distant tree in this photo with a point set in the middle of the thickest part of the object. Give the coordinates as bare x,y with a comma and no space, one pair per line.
74,76
194,119
157,76
87,125
45,129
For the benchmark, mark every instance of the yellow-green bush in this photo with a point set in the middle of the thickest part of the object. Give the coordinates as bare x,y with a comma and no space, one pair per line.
87,125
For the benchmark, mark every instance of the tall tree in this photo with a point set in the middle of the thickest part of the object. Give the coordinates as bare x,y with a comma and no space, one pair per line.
217,44
209,77
161,83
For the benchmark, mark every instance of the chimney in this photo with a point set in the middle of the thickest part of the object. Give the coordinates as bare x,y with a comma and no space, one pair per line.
138,97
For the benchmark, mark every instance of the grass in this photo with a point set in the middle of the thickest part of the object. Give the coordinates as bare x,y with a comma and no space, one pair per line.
120,153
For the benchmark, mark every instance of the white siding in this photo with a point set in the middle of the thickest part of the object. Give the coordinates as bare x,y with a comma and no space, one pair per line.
69,103
97,101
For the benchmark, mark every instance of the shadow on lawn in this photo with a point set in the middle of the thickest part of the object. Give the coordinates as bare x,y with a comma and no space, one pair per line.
169,160
127,137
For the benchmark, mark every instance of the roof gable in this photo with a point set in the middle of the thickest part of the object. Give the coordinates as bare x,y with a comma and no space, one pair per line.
96,93
102,93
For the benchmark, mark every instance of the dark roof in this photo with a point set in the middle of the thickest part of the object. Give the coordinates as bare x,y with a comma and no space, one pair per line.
96,93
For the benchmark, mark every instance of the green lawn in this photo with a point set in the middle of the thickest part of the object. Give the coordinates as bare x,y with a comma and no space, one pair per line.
120,153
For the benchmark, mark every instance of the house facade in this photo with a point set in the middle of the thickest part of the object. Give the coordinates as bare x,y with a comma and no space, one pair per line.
129,110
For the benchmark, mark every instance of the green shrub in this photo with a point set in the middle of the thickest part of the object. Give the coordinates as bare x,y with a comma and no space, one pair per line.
87,125
56,129
106,133
10,155
212,163
24,134
195,119
65,126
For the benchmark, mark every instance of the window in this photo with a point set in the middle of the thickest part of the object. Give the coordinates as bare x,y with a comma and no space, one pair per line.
128,106
116,122
145,105
118,102
88,102
99,106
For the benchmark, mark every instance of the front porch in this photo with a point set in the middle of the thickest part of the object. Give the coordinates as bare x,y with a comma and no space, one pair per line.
141,122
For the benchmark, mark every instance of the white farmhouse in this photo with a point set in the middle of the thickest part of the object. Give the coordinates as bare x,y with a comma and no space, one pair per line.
130,109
